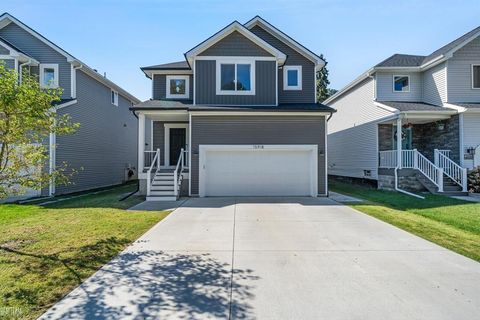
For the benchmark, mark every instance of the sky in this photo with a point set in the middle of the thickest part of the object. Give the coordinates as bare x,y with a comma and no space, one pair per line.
118,37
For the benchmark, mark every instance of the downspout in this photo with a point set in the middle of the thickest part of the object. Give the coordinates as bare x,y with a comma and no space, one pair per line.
401,190
20,69
138,181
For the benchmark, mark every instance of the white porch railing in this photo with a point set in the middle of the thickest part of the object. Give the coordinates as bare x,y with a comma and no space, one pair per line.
148,158
412,159
155,164
177,175
451,169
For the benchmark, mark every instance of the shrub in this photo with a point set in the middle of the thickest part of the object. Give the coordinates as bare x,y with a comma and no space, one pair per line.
474,180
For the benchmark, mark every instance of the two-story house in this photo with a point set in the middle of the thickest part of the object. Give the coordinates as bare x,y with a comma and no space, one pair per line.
103,148
434,99
237,117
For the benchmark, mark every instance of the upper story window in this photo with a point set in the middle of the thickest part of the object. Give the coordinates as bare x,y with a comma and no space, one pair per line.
49,75
114,97
476,76
178,87
401,83
292,78
235,77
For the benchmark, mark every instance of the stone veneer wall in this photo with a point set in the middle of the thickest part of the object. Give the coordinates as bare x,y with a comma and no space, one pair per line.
385,137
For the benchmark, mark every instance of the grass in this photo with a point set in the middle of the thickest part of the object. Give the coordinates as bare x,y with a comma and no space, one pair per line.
46,251
451,223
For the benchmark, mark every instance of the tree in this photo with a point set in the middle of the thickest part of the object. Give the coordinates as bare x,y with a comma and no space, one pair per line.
27,117
323,92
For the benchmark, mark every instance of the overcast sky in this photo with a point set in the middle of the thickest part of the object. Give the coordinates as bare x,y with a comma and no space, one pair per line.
118,37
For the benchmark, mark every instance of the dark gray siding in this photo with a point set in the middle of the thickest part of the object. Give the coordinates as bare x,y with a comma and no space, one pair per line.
160,89
159,137
205,79
106,142
4,50
9,63
307,94
235,44
40,51
258,130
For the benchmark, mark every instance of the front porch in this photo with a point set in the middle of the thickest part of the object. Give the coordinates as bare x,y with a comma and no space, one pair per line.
424,154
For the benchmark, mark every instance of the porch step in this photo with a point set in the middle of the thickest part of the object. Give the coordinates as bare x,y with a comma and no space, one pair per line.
161,198
167,187
162,193
450,188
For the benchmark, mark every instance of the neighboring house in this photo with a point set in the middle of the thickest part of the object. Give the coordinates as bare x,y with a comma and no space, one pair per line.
104,146
435,99
237,117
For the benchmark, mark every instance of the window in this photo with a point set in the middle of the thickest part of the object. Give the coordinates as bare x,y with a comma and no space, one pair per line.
292,78
114,98
475,76
49,75
236,77
401,83
178,87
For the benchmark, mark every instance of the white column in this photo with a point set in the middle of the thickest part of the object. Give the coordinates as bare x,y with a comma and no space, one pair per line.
141,142
399,142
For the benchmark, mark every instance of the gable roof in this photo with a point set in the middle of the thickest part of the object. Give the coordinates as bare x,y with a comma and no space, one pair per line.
257,20
234,26
178,65
401,60
7,18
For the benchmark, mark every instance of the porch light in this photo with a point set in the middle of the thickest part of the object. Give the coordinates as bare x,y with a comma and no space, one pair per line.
441,126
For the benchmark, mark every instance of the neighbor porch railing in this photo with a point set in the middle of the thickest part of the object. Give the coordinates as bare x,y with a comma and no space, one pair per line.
451,169
412,159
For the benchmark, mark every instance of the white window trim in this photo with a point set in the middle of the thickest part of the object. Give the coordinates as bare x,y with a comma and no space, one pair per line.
474,65
235,61
42,68
115,98
178,96
285,82
167,127
401,75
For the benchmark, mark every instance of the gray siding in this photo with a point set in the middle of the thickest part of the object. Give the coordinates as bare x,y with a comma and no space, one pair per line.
4,50
258,130
160,89
434,85
106,142
205,81
9,63
307,94
40,51
385,87
459,72
235,44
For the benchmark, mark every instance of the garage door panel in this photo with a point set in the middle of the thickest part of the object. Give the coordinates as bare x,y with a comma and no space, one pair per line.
260,172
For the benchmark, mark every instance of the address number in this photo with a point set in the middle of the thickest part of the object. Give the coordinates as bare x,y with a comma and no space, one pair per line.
258,146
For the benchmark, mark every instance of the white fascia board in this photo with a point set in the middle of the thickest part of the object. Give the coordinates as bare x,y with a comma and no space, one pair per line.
234,26
258,113
151,73
66,104
459,109
286,39
385,107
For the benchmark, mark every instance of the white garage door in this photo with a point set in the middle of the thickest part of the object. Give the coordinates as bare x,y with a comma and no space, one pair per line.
258,170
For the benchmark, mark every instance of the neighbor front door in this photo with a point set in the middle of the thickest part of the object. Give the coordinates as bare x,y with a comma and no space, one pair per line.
177,142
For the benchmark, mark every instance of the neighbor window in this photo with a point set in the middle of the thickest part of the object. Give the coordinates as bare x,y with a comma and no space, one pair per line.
401,83
178,87
235,77
49,75
476,76
114,97
292,78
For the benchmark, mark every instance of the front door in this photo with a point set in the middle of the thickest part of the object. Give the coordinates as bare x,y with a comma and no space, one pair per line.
177,142
407,141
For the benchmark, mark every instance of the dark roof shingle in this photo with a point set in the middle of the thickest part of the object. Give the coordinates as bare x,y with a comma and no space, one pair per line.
178,65
402,60
413,106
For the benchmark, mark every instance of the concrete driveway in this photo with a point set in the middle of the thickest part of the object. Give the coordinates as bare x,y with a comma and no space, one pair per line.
299,258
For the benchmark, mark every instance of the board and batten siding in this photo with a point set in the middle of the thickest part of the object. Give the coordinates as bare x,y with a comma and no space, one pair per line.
385,91
307,94
235,44
459,73
353,132
106,142
434,85
41,52
160,87
236,130
205,81
471,134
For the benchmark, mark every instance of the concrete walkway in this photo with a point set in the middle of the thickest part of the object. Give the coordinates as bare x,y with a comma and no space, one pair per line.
277,258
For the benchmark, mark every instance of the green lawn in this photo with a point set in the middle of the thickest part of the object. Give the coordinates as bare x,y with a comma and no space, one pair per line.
451,223
45,252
